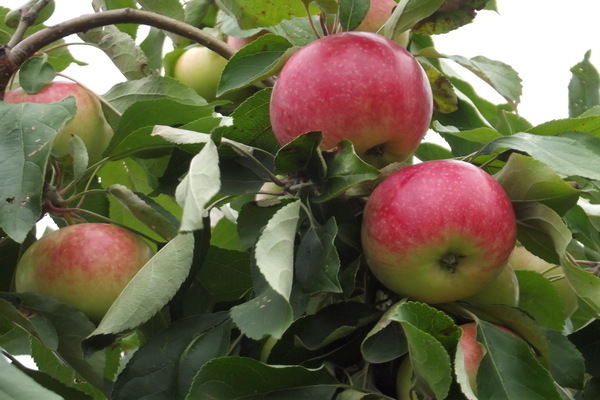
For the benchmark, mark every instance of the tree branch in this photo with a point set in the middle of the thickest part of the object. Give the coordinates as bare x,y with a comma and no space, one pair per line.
17,55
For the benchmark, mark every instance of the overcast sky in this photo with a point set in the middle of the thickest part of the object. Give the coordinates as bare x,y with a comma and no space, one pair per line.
540,39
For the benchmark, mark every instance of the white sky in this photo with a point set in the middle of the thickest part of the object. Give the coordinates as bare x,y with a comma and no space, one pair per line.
540,39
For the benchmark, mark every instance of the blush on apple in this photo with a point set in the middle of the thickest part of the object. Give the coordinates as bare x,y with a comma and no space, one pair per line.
358,86
89,122
378,14
438,231
85,265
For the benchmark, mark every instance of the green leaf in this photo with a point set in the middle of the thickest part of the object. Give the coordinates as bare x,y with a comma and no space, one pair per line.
28,130
584,87
584,123
587,342
151,288
80,155
198,187
16,385
346,169
251,123
539,297
577,154
585,284
35,73
317,261
236,378
165,366
222,262
170,8
527,180
568,365
407,14
450,16
509,369
298,30
352,13
261,13
582,228
431,151
302,154
466,142
445,100
258,60
542,231
252,219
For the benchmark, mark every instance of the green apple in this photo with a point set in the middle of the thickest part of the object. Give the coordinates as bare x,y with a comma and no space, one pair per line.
404,381
85,265
200,68
438,231
357,86
89,122
502,290
522,259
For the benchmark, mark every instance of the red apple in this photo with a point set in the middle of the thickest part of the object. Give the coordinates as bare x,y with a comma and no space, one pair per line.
358,86
89,122
237,43
438,231
378,14
502,290
522,259
85,265
200,68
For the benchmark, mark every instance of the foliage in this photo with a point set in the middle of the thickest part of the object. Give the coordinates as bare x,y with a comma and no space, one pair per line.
271,298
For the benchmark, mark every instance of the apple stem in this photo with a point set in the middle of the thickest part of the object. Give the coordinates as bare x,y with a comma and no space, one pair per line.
450,261
310,20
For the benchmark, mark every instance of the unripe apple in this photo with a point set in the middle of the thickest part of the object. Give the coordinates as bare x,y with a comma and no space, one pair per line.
89,122
379,12
358,86
502,290
523,259
85,265
438,231
200,68
404,381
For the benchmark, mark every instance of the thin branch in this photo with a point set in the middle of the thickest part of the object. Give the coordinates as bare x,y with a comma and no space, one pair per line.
28,17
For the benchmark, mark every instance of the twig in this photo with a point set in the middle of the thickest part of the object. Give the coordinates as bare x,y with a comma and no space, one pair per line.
28,17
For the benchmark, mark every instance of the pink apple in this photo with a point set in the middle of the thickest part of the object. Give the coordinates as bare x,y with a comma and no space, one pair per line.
378,14
358,86
85,265
438,231
89,122
237,43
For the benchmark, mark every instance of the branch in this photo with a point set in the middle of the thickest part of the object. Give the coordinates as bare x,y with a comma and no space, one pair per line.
28,17
25,49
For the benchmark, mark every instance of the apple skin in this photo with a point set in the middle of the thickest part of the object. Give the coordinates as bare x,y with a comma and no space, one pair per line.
438,231
378,14
236,43
358,86
404,385
85,265
200,68
523,259
502,290
89,122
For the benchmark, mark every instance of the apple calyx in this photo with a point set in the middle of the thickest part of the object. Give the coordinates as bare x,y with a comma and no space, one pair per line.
450,261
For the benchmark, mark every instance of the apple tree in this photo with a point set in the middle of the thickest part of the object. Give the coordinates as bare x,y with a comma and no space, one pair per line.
264,279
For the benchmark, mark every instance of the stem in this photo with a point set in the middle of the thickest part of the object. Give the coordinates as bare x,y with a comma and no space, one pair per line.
17,53
246,154
310,21
27,19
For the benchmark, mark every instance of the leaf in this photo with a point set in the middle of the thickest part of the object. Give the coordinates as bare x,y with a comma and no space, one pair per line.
35,73
584,123
170,8
28,130
165,366
407,14
120,48
568,365
445,100
587,342
468,141
509,369
236,378
152,46
151,288
198,187
431,151
344,171
527,180
584,87
585,284
15,385
542,231
302,154
297,30
251,123
539,298
449,16
79,153
275,249
252,219
352,13
258,60
149,212
222,262
261,13
575,154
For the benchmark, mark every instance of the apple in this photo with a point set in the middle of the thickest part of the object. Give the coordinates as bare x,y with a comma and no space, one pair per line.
237,43
358,86
378,14
522,259
89,122
85,265
200,68
438,231
502,290
404,381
